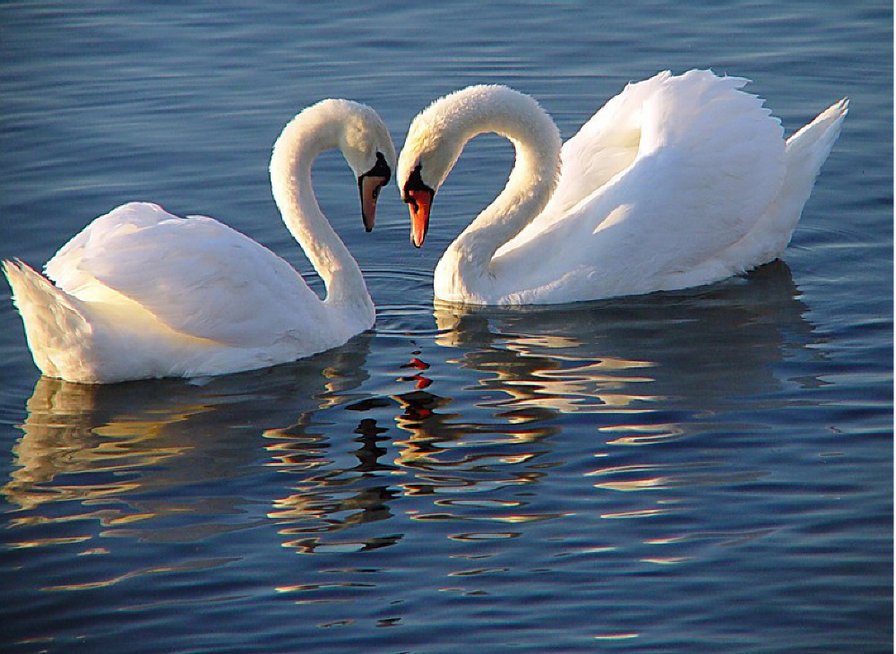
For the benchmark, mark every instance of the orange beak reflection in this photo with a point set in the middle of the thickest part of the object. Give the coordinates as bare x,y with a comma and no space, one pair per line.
419,202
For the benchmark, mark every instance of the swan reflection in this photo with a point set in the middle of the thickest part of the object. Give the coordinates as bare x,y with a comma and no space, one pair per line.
591,397
500,402
696,350
165,460
331,495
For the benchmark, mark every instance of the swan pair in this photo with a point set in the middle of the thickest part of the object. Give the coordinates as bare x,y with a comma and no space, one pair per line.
677,181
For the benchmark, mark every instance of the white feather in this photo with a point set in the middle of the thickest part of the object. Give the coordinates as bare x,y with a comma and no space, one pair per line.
142,293
677,181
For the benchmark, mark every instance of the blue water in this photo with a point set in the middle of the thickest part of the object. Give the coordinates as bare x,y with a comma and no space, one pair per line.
703,471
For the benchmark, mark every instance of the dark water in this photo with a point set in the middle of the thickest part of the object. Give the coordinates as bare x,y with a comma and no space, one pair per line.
704,471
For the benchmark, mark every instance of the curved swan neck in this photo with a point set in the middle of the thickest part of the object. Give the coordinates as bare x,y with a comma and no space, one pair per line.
315,130
536,141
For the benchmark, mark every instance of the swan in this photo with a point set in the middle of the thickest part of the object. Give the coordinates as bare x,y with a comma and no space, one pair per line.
678,181
141,293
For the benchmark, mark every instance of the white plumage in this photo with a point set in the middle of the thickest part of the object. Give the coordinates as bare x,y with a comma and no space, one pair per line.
142,293
677,181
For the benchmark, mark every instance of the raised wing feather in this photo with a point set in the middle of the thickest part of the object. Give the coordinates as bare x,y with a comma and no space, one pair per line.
709,161
603,147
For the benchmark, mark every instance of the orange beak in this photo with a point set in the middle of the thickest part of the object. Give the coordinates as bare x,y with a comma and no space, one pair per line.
419,201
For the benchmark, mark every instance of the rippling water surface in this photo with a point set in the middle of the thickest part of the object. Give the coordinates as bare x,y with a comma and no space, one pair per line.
709,470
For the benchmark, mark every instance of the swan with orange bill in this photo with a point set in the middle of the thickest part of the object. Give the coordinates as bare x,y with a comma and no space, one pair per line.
678,181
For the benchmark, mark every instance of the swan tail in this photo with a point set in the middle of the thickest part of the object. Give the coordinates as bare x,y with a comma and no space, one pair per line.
808,148
55,325
805,153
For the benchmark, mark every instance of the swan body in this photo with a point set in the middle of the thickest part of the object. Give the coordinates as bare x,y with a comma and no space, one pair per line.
678,181
142,293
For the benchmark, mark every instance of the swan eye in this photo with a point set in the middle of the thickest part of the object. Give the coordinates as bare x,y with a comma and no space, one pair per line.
415,183
380,168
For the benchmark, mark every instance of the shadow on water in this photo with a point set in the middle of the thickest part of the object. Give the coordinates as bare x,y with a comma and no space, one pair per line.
705,346
636,364
606,440
167,453
623,395
148,451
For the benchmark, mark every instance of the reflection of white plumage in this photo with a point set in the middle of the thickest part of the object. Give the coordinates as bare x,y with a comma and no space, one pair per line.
142,293
677,181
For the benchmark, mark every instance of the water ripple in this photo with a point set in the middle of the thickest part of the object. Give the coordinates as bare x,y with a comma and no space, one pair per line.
706,470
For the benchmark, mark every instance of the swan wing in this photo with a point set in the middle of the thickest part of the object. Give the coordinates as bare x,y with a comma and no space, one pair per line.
710,160
603,147
195,275
703,121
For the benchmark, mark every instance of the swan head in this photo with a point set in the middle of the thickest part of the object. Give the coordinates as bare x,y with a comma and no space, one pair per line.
418,195
432,146
437,136
369,185
355,129
368,149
